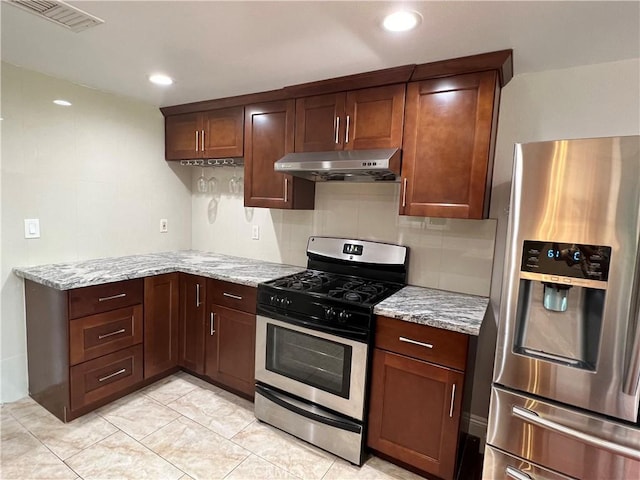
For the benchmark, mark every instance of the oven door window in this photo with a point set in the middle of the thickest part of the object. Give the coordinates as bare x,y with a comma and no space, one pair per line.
315,361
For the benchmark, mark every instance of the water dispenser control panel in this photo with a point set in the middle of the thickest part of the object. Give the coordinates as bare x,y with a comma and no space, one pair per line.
590,262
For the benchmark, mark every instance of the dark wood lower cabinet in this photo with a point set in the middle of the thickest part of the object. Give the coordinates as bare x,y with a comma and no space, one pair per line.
161,323
193,310
230,348
415,412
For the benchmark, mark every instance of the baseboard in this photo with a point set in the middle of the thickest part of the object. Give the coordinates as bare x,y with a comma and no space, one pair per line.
477,427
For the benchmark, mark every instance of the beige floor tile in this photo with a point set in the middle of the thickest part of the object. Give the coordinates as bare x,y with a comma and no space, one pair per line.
34,464
121,457
256,468
15,440
373,469
196,450
170,388
138,415
63,439
212,410
284,451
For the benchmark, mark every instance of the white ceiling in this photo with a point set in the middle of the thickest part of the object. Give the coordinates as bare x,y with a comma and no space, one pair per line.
217,49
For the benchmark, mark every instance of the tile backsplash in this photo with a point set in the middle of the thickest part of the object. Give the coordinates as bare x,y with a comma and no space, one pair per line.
449,254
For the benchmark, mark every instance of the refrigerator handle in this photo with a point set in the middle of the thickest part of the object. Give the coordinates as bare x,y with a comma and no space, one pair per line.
513,472
534,418
632,375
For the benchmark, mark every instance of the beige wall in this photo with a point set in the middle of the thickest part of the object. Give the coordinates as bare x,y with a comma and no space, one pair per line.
94,174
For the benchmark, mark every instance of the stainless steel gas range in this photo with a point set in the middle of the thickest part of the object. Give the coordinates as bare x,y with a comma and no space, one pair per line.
313,340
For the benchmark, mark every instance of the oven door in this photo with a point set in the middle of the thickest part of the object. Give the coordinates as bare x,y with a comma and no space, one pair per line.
322,368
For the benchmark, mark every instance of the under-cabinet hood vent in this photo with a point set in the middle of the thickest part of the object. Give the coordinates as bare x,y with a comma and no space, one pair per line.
60,13
347,165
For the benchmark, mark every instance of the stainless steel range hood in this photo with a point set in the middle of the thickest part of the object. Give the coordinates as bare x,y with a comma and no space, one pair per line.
347,165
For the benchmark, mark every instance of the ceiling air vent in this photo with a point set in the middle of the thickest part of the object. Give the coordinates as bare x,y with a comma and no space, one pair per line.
60,13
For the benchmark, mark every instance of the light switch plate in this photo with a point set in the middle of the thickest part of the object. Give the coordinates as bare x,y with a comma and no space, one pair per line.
255,232
31,228
164,225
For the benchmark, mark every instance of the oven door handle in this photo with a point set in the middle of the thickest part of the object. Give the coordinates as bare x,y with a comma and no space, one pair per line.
274,397
345,333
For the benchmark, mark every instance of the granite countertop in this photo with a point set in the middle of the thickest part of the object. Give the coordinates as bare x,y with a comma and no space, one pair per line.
437,308
458,312
245,271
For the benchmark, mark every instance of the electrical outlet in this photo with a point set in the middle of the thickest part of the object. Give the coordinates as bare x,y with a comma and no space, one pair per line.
164,227
255,232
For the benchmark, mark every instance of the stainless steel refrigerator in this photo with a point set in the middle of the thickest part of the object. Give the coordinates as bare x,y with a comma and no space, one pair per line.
565,397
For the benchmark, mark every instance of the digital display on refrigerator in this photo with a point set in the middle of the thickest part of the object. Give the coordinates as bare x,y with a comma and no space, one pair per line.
574,260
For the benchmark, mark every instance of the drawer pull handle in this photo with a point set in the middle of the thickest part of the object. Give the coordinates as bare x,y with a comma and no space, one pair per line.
114,374
112,297
534,418
231,295
198,302
453,399
415,342
212,329
100,337
404,193
513,472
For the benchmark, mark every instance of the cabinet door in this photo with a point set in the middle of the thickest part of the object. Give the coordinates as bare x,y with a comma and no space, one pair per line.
230,348
161,318
415,412
318,127
193,309
448,146
223,132
182,136
374,118
268,136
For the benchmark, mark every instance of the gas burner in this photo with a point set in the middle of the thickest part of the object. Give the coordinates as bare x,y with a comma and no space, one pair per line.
349,295
352,297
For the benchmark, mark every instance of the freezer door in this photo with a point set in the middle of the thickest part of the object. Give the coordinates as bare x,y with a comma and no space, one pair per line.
499,465
561,439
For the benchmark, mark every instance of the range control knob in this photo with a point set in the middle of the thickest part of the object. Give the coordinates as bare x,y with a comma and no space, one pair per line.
344,316
329,313
272,299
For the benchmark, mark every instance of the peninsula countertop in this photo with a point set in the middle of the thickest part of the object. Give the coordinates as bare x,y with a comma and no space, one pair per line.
457,312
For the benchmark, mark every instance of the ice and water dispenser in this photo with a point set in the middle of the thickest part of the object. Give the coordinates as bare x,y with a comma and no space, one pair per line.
561,299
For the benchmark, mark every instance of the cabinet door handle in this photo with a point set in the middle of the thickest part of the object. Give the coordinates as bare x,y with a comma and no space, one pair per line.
415,342
453,399
114,374
100,337
197,133
231,295
198,303
346,135
404,192
286,190
212,329
516,474
112,297
202,141
337,130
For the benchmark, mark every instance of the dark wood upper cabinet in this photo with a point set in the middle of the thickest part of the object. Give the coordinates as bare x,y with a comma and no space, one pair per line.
161,323
210,134
449,138
355,120
268,136
193,310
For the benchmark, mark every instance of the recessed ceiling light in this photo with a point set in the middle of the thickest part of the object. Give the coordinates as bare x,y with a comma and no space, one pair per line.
401,21
63,103
160,79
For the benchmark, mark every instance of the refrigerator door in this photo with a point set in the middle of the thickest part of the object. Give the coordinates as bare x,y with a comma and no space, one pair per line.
499,465
584,193
563,440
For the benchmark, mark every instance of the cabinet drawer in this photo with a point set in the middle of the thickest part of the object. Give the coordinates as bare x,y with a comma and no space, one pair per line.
423,342
233,295
103,333
103,298
104,376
